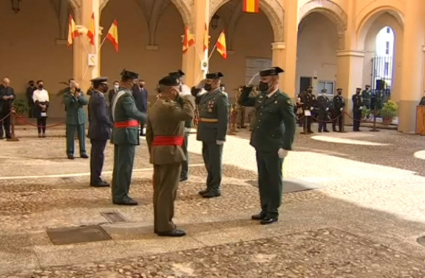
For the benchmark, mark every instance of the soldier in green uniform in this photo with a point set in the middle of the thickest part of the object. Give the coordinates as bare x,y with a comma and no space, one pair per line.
76,118
212,129
125,137
272,137
165,137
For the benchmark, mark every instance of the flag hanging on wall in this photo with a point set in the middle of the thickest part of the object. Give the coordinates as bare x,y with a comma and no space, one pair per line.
188,40
72,31
112,35
206,38
221,45
91,33
251,6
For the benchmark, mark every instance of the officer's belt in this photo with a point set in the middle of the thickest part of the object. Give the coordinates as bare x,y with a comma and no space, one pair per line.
168,141
206,120
126,124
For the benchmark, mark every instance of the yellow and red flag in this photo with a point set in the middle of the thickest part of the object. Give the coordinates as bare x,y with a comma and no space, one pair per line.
188,40
221,45
91,33
112,35
72,31
206,38
251,6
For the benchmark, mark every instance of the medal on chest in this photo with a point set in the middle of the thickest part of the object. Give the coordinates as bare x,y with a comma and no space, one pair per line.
210,105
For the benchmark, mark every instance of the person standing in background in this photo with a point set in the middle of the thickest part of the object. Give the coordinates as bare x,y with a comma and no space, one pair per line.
140,95
41,103
31,88
113,92
7,96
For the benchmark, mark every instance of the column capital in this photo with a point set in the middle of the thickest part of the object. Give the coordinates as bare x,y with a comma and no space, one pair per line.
355,53
278,45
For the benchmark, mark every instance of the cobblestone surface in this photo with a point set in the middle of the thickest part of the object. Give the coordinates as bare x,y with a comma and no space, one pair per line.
363,188
322,253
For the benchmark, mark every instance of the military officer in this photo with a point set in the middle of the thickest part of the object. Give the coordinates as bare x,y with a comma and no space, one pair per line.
76,118
308,101
125,137
323,111
338,115
212,129
357,109
184,90
165,138
241,110
272,137
99,130
367,97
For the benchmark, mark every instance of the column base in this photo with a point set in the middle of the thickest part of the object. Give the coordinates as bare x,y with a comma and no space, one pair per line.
407,116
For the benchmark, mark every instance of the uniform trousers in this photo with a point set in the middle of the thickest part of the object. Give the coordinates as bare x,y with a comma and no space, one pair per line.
307,123
5,124
185,164
212,154
357,117
165,183
97,158
122,172
70,138
241,117
270,183
338,120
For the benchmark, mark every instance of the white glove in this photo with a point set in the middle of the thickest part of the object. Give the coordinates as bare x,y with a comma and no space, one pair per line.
341,109
311,108
187,129
327,109
361,107
218,142
282,153
185,91
252,79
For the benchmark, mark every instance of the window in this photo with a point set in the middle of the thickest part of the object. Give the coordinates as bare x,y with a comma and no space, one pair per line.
387,48
388,30
328,85
386,68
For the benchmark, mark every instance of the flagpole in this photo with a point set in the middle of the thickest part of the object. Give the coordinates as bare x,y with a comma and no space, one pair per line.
85,47
199,53
212,51
103,41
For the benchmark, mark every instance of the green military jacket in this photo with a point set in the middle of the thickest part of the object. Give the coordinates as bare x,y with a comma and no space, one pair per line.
74,107
167,118
123,110
213,116
275,121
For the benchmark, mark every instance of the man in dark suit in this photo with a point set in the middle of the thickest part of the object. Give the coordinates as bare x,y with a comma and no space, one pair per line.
140,95
113,92
7,96
30,90
99,130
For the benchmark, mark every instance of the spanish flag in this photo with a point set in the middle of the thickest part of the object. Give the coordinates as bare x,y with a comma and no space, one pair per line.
113,35
72,31
206,38
251,6
91,33
188,40
221,45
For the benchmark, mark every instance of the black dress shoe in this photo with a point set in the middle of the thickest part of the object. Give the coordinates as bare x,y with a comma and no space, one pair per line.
84,155
202,192
259,216
70,156
183,179
126,202
173,233
211,194
326,130
268,220
99,184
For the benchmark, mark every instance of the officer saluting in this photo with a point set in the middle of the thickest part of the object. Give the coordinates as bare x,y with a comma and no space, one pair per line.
99,130
165,138
272,137
125,137
212,129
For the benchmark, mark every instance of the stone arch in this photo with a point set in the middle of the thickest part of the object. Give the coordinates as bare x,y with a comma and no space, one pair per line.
75,3
370,13
272,8
329,9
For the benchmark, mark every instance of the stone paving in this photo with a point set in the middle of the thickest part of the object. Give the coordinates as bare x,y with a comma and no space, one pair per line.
362,222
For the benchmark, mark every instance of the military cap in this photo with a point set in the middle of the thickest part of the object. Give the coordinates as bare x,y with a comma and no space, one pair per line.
324,90
359,89
339,89
99,80
129,74
169,81
214,75
309,87
368,86
177,74
271,71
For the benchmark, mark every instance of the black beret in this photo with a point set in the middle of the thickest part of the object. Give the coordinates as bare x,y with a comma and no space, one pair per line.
271,71
129,74
99,80
169,81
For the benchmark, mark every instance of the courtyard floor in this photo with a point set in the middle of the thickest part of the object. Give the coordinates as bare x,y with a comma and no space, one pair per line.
361,218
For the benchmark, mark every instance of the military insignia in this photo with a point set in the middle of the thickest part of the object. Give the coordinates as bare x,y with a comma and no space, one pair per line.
275,102
261,96
289,102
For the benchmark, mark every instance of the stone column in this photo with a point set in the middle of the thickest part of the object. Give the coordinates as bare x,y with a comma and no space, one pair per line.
279,60
349,76
290,48
412,68
192,60
82,47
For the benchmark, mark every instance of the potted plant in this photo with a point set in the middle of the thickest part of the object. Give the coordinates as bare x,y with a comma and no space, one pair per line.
388,112
21,109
